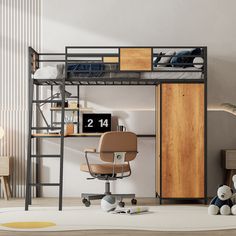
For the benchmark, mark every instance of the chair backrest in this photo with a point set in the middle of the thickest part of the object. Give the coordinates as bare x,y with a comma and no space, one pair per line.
116,141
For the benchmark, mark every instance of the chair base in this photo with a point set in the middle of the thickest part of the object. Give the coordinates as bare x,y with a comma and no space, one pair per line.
86,197
94,196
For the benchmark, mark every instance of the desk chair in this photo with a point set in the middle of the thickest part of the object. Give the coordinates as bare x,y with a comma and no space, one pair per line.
116,150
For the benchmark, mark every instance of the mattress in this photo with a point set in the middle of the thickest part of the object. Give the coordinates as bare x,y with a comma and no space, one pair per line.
173,73
157,73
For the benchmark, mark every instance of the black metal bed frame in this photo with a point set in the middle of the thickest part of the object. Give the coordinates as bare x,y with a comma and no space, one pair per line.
34,61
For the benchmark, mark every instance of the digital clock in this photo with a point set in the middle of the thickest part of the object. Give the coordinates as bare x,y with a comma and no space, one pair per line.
96,123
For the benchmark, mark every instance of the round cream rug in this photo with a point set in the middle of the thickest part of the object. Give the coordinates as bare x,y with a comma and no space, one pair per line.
159,218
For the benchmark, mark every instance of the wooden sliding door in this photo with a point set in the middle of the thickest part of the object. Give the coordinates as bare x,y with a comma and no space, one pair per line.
182,140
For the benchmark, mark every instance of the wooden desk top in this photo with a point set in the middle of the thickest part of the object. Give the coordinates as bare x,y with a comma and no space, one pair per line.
68,135
41,135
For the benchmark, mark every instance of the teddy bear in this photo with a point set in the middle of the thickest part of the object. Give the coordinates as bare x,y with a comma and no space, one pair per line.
222,202
233,198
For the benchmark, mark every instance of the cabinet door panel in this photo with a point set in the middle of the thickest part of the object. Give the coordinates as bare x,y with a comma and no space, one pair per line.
182,141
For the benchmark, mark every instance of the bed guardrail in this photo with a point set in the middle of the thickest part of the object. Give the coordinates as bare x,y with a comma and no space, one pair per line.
104,62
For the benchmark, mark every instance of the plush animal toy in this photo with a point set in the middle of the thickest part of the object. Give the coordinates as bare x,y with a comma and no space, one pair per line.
233,198
222,202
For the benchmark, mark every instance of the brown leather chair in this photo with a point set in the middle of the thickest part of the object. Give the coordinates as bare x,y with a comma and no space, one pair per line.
116,150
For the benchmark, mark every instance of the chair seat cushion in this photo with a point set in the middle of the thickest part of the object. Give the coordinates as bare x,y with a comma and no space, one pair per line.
105,168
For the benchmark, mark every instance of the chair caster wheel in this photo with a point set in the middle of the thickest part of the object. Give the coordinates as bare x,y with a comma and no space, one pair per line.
134,201
86,202
121,204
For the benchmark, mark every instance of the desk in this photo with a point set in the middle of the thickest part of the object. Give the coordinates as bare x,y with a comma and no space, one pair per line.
83,135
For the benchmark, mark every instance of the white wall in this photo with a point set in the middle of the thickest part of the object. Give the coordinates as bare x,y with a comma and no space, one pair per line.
19,29
132,22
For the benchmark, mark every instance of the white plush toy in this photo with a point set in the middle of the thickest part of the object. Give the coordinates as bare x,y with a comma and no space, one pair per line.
233,198
221,203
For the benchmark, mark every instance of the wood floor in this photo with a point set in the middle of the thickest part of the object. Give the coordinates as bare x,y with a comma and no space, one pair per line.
77,202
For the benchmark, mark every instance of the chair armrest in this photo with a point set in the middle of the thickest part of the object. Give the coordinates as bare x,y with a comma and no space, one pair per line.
90,150
86,151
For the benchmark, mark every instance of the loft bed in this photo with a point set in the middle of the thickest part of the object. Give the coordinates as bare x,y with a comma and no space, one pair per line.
96,66
162,67
119,65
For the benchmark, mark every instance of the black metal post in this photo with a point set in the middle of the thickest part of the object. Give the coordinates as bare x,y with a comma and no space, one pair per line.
30,109
78,113
51,113
205,124
160,197
62,134
37,167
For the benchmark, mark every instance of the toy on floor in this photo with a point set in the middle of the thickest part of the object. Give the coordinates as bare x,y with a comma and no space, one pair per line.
108,203
233,198
221,203
132,210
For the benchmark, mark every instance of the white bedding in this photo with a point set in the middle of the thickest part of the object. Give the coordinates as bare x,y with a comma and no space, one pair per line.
50,72
163,73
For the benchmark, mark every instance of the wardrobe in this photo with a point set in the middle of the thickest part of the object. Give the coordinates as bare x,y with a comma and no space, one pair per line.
180,141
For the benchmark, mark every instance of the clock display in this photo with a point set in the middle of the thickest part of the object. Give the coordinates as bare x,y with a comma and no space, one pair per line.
96,123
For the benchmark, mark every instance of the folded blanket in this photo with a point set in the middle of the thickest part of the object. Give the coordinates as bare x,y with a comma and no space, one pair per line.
86,69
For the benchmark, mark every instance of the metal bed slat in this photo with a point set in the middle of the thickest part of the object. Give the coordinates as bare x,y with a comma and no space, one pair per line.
115,47
135,71
48,60
124,82
92,54
180,64
158,55
51,54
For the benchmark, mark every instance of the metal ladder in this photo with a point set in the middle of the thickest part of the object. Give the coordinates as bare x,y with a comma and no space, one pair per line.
37,155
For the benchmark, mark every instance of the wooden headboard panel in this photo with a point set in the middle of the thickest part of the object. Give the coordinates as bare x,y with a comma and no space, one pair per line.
33,60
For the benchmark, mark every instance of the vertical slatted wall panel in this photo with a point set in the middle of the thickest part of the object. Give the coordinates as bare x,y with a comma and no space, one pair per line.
20,28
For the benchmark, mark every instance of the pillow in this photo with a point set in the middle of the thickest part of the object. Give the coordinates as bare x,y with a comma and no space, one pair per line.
196,51
175,61
179,59
50,72
166,59
198,60
47,72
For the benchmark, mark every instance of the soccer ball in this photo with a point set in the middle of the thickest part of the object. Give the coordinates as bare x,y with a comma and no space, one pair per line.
108,203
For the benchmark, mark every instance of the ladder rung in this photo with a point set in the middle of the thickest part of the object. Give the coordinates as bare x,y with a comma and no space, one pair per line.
45,156
46,101
42,128
57,122
44,184
46,136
